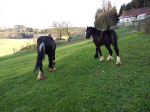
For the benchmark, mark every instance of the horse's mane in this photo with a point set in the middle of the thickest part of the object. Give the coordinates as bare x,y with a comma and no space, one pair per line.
95,30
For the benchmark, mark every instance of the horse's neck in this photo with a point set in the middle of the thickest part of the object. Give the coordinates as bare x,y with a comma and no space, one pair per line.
94,30
97,32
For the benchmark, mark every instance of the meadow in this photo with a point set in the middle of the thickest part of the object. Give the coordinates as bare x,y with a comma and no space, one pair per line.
10,46
81,83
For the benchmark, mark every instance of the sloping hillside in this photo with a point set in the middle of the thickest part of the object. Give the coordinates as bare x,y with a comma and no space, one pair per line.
81,83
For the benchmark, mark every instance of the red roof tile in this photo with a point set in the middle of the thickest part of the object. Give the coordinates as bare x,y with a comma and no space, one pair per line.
135,12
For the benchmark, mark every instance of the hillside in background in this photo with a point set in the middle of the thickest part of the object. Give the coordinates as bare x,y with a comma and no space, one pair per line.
22,32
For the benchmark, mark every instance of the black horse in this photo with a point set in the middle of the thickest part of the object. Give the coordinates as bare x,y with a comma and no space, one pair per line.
45,45
106,38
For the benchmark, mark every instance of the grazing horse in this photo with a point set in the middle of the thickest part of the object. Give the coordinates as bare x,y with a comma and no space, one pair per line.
45,45
106,38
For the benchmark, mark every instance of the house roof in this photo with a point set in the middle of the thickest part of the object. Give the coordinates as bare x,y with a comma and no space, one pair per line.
135,12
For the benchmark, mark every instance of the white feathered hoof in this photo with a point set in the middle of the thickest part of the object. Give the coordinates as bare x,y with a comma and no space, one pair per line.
109,58
53,63
101,58
118,61
41,76
52,69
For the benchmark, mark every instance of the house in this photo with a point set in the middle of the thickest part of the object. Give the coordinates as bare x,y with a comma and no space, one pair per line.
129,16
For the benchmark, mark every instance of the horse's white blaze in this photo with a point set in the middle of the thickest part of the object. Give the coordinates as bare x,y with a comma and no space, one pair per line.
109,58
118,61
101,58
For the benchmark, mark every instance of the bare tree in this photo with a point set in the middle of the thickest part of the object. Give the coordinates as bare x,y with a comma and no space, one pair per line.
69,31
58,29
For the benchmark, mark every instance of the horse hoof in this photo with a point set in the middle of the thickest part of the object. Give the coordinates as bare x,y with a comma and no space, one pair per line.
101,58
118,63
109,58
53,63
96,56
41,76
52,69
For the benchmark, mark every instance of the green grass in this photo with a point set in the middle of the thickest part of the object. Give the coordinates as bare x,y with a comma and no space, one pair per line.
81,83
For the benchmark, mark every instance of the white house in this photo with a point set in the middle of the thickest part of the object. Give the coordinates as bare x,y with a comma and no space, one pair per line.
129,16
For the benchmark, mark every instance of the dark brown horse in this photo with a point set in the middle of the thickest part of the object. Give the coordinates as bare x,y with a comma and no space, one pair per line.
45,45
106,38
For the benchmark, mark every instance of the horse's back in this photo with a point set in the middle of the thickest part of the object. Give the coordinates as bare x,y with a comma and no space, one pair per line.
45,39
112,32
49,42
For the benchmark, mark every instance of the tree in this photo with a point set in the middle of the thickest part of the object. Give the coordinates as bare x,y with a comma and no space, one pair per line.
121,9
30,30
134,4
105,16
58,29
69,31
109,5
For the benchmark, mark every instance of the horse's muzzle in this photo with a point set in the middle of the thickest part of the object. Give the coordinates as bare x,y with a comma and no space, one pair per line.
87,36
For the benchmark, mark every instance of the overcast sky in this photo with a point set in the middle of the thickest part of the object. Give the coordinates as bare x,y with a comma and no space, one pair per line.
42,13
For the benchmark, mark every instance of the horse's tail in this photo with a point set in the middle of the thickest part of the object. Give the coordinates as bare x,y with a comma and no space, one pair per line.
114,38
41,56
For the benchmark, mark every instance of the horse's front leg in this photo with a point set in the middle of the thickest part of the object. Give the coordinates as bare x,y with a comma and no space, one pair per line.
96,54
51,68
101,56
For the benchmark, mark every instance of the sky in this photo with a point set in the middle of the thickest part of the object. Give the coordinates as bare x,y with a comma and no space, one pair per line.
42,13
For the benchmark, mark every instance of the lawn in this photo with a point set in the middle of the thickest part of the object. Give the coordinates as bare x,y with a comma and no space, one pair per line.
81,83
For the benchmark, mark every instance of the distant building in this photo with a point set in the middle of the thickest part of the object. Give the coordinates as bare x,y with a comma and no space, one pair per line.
129,16
19,26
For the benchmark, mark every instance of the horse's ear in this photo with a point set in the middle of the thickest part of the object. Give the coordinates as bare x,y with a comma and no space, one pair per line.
87,26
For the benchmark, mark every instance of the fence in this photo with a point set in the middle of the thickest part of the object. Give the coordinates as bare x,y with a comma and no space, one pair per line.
135,26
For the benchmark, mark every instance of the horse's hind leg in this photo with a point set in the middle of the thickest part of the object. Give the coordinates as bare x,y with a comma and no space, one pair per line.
110,53
118,58
51,68
101,56
41,75
53,58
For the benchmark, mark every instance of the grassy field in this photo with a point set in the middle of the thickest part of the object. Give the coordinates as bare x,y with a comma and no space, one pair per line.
9,46
81,83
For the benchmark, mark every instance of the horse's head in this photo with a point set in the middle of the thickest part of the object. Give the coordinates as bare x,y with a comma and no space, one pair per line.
88,32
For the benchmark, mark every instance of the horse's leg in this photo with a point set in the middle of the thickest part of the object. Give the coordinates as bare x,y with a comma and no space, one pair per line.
50,61
110,53
53,58
117,53
96,54
51,68
41,75
101,56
